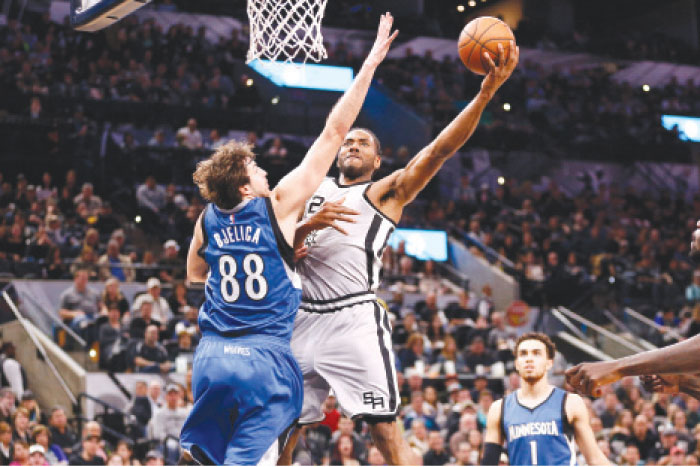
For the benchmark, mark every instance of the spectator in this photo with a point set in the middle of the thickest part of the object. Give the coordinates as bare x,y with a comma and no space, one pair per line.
20,453
436,455
411,356
126,452
151,199
154,457
172,266
467,423
13,374
345,428
178,299
112,297
137,328
28,402
6,446
114,264
61,434
189,136
643,437
343,454
478,359
330,412
155,394
151,356
148,267
92,202
88,454
113,342
140,406
168,420
20,426
692,292
87,261
79,304
7,404
466,455
215,140
53,453
161,309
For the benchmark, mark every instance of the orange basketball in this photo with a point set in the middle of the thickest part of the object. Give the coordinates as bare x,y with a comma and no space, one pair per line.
480,35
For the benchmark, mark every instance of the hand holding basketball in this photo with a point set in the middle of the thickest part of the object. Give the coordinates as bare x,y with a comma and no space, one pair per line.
498,74
481,37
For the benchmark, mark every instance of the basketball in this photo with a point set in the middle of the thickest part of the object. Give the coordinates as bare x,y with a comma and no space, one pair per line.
479,35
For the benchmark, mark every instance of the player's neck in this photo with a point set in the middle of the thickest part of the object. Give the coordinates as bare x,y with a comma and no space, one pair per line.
534,391
343,180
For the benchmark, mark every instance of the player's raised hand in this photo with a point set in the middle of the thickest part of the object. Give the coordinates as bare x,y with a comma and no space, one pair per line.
667,384
383,41
499,73
587,378
330,214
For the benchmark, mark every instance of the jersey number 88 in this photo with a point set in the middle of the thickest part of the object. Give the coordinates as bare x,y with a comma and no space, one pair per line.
255,284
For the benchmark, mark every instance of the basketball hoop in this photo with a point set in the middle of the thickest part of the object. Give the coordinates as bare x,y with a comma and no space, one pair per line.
284,29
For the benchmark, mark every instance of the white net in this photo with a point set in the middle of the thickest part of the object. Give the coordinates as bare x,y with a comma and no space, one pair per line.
286,29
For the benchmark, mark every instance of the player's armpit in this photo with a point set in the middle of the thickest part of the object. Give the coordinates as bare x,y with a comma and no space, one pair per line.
197,268
577,415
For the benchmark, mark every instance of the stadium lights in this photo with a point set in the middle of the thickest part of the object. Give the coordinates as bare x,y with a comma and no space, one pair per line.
460,8
275,100
472,3
506,107
646,88
501,180
138,219
249,83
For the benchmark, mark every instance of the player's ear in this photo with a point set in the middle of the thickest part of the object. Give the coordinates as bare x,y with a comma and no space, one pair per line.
550,364
245,190
377,162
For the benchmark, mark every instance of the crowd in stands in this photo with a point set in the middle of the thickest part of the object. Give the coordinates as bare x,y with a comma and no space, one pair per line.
628,247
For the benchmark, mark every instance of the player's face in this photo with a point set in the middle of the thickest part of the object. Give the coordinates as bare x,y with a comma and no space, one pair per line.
531,361
358,155
258,180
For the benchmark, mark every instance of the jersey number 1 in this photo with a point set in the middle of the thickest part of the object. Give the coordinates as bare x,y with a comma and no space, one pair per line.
255,284
533,452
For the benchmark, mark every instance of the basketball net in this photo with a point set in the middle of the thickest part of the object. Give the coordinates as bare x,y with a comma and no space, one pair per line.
281,30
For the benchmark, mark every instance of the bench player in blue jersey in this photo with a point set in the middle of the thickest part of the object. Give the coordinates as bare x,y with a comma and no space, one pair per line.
246,383
539,422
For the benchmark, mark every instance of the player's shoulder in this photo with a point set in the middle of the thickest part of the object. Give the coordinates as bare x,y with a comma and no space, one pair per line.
496,408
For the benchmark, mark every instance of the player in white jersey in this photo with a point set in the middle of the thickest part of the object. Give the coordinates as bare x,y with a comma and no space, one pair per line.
342,338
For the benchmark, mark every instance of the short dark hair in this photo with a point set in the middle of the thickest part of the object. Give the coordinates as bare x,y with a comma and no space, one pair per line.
537,336
377,144
220,176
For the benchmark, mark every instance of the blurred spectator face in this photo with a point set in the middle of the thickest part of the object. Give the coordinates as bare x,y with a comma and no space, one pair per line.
640,427
21,421
21,454
115,459
668,439
184,340
417,401
430,395
431,300
151,182
679,420
6,434
611,402
596,425
146,310
154,389
435,441
630,455
8,399
464,452
406,266
93,429
475,439
345,446
552,259
90,445
345,426
464,395
418,429
80,280
677,456
87,191
140,389
604,446
648,411
37,458
113,249
114,315
192,124
375,457
477,346
124,451
151,335
58,419
172,398
467,423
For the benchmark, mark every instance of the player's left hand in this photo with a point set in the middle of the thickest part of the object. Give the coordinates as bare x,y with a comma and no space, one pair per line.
587,378
498,74
666,384
383,41
301,252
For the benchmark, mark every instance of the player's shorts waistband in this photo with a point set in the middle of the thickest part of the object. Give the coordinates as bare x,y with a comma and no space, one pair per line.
249,339
335,304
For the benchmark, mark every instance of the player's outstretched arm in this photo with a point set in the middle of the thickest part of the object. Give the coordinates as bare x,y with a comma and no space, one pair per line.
197,268
493,440
577,413
406,183
296,187
587,378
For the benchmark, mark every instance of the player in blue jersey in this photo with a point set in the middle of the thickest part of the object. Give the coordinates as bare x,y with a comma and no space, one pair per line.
247,385
539,422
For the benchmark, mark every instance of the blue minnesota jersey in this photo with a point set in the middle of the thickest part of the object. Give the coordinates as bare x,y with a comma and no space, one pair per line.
539,436
251,287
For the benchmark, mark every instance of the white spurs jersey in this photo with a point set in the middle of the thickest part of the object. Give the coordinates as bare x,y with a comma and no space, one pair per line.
343,270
